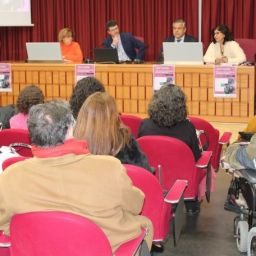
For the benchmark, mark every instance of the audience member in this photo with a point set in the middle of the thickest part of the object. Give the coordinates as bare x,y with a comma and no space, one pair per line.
64,176
71,51
99,125
28,97
125,43
83,89
242,156
224,49
168,116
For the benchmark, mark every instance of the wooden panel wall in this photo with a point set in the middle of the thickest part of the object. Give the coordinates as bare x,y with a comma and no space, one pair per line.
132,87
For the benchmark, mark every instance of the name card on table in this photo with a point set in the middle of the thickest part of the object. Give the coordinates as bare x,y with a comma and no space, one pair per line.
84,70
225,84
5,77
163,74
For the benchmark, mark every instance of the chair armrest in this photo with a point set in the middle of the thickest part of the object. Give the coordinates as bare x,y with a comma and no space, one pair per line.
204,160
225,138
131,247
176,191
5,240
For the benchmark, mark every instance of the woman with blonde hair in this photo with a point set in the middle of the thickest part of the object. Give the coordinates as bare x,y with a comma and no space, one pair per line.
99,125
71,51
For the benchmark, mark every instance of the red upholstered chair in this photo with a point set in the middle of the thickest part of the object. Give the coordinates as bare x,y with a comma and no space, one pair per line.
11,161
157,207
133,122
16,137
174,160
140,38
210,139
62,233
248,45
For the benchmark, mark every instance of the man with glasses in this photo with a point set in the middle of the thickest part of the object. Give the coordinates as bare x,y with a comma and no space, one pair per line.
128,47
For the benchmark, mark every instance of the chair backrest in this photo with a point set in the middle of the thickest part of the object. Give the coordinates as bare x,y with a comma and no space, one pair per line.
56,233
140,38
9,136
11,161
248,45
133,122
175,159
154,206
212,135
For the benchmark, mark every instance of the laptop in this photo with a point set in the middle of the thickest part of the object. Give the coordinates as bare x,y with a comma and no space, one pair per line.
105,55
183,53
44,52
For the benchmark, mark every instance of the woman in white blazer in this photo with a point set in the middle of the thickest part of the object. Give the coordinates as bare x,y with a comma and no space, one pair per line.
224,49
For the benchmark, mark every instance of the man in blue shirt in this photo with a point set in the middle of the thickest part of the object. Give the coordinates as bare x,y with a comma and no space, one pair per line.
129,48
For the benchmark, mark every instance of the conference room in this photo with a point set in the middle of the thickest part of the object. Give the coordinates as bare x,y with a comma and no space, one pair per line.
148,109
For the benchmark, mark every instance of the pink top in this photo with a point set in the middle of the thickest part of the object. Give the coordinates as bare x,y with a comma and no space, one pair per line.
19,121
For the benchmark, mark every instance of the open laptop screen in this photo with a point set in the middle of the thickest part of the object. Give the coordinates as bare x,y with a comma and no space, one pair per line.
183,53
105,55
45,52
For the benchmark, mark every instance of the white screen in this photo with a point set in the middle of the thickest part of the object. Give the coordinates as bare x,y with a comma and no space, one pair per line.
15,13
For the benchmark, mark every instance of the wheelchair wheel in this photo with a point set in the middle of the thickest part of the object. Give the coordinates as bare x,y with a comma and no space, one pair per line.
251,243
236,220
242,235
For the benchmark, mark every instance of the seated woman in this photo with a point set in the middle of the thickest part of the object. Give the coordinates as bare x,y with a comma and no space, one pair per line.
99,125
71,51
82,90
28,97
224,49
168,117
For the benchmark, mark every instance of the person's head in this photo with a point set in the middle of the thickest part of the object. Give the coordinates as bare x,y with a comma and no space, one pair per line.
99,125
50,124
112,28
65,36
83,89
28,97
168,106
179,28
221,34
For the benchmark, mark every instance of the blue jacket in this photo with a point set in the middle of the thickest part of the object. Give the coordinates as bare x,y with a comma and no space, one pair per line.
130,43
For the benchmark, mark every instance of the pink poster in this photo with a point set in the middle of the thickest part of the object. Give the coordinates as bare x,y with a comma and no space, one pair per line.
163,74
225,81
84,70
5,77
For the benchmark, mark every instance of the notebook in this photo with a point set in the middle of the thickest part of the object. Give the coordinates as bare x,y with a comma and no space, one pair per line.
44,52
183,53
105,55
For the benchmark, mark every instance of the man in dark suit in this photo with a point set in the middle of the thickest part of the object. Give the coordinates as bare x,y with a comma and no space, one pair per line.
125,43
179,34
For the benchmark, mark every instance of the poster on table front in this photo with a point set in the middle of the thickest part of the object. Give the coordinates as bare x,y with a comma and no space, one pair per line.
84,70
225,85
163,74
5,77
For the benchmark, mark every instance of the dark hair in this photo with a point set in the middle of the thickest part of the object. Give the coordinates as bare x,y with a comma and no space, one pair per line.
111,23
225,31
29,96
168,106
48,123
84,88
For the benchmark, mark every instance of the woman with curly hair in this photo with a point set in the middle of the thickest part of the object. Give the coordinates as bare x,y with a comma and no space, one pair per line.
28,97
83,89
168,117
99,125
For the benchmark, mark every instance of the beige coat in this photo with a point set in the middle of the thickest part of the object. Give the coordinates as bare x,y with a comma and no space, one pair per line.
93,186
